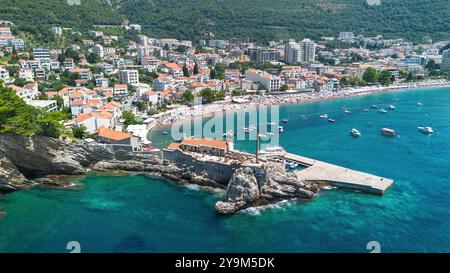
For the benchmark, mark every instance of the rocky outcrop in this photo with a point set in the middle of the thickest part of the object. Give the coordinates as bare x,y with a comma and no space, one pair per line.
256,185
23,159
158,167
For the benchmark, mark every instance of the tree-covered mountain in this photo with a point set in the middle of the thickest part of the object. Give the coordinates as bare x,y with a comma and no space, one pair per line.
268,19
43,13
258,19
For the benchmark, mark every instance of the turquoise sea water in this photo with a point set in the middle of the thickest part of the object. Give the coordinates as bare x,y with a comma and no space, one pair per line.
138,214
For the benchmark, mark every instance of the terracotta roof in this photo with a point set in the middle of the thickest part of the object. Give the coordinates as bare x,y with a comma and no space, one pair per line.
221,144
112,134
174,146
83,117
173,66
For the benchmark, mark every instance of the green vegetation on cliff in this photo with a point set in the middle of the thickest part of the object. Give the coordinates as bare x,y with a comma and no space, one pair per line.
19,118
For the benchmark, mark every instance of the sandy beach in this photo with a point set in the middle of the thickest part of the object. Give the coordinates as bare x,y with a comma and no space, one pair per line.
252,101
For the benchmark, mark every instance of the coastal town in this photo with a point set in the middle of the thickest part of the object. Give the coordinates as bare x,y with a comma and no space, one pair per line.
114,89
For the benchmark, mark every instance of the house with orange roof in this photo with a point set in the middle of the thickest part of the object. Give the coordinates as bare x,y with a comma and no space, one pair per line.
204,146
94,120
120,90
173,69
119,140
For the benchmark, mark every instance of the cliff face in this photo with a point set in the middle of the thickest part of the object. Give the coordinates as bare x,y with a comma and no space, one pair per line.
23,158
259,185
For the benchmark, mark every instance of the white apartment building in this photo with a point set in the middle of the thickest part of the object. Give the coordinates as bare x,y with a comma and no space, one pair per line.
42,54
445,64
4,75
98,49
270,82
26,74
128,76
307,51
292,53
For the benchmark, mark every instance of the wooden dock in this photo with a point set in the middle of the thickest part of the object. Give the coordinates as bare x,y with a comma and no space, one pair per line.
339,176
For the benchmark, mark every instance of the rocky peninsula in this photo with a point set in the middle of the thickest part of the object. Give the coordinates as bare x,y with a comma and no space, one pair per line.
27,162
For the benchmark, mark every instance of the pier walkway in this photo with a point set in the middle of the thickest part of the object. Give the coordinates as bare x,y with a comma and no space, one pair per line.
339,176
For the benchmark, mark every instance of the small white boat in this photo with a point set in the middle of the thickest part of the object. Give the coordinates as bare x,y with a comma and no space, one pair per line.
285,120
291,165
426,130
374,106
347,112
419,104
331,120
355,133
382,111
274,149
280,129
391,107
325,116
366,110
165,133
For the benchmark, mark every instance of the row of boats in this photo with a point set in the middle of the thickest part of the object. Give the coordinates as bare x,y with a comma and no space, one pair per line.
390,132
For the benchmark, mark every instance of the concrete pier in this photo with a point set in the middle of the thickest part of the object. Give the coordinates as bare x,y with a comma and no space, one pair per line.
338,176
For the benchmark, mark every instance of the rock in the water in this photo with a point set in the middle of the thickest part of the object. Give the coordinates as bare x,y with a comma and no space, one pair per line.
254,185
243,186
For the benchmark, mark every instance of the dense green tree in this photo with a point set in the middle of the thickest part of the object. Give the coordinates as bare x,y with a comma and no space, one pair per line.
385,77
195,68
370,75
284,87
79,132
93,58
185,71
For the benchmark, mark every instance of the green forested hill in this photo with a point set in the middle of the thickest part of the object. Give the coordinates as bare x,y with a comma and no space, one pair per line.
36,13
258,19
269,19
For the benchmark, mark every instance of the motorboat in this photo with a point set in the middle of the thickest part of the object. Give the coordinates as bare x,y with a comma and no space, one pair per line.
366,110
285,120
355,133
272,149
388,132
347,112
382,111
374,106
426,130
331,120
325,116
165,133
291,165
280,129
419,104
391,107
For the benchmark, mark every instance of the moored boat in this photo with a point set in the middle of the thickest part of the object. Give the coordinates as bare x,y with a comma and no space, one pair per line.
388,132
391,107
325,116
382,111
374,106
354,132
331,120
280,129
426,130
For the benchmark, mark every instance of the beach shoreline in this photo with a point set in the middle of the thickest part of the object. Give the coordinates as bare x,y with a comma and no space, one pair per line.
174,116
